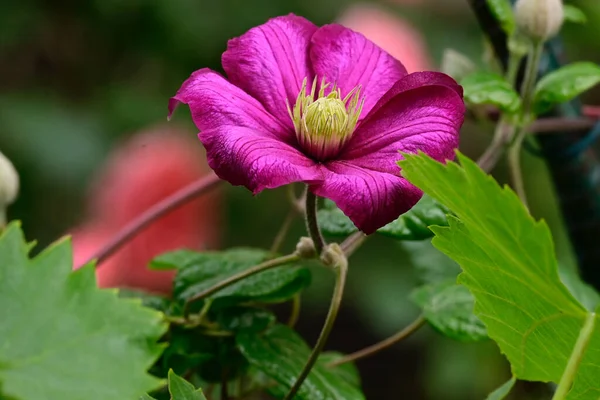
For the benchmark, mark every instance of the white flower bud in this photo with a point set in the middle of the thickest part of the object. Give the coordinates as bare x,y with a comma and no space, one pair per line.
539,19
333,256
306,248
9,186
456,64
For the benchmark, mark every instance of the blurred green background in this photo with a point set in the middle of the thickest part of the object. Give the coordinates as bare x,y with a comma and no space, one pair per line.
78,76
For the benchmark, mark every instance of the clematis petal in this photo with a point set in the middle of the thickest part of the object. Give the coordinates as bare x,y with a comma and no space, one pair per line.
251,158
370,198
270,62
348,58
423,111
214,103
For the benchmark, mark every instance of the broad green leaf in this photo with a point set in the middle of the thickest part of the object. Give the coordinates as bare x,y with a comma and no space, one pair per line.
197,272
574,14
503,390
509,265
502,10
63,338
448,308
565,84
280,354
346,371
181,389
430,264
583,292
412,225
146,396
237,319
489,88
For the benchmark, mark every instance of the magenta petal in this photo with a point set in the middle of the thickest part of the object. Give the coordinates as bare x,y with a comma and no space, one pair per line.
270,62
251,158
349,59
215,103
371,199
423,111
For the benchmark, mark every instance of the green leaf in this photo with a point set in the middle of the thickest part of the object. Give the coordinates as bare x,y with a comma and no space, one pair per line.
584,293
565,84
280,354
503,12
574,14
146,396
431,265
509,265
181,389
412,225
503,390
346,371
197,272
63,338
239,319
448,308
489,88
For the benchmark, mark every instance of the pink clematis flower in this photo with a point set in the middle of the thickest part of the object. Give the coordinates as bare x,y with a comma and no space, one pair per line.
324,106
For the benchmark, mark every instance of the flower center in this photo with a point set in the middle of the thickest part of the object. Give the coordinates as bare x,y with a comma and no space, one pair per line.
325,124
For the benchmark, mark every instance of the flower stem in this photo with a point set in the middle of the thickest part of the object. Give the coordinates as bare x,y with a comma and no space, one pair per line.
566,381
502,135
285,227
177,199
340,282
312,225
295,314
353,242
527,90
384,344
275,262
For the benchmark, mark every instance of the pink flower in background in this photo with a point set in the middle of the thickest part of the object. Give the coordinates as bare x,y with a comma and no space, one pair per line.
393,34
324,106
140,173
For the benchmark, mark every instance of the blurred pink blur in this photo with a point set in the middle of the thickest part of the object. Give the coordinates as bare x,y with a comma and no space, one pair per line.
390,32
141,172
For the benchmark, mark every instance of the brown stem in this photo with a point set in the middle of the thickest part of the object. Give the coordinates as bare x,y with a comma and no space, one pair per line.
165,206
554,125
353,242
384,344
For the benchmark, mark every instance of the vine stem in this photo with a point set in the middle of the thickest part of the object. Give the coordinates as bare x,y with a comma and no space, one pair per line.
341,270
384,344
502,134
177,199
281,234
353,242
566,381
527,89
275,262
312,225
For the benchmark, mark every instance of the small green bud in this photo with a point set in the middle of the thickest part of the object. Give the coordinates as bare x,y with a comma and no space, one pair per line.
306,248
456,64
9,186
539,19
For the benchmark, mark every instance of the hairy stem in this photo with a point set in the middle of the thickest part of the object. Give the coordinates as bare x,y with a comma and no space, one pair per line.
177,199
275,262
336,300
353,242
566,381
502,135
312,225
527,89
384,344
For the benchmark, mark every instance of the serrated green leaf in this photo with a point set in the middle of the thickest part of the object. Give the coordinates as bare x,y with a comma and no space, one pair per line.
430,264
502,10
503,390
63,338
197,272
509,265
412,225
448,308
574,14
180,389
565,84
146,396
280,354
489,88
583,292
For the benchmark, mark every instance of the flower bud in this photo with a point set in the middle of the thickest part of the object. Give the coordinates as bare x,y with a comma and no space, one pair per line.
456,64
9,186
306,248
333,256
539,19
